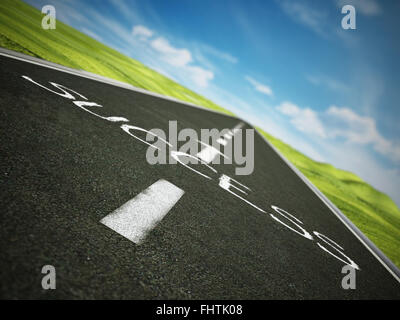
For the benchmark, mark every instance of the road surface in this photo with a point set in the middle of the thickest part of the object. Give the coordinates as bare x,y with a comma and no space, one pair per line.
70,178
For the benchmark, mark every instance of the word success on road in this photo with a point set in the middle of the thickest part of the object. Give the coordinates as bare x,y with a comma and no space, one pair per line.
138,216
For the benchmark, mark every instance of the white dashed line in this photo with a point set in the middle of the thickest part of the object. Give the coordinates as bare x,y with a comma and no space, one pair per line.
222,141
137,217
209,152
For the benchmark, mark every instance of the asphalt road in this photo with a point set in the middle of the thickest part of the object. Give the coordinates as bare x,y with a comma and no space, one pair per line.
62,170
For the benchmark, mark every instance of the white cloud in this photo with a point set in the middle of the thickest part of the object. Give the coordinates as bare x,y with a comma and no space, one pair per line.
305,120
142,32
358,132
275,126
181,59
343,123
361,130
366,7
289,109
259,86
174,56
200,76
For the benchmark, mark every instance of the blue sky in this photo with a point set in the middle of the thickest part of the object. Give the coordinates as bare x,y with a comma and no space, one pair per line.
286,66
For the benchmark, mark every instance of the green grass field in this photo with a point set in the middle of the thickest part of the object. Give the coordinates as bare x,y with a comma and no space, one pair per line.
374,213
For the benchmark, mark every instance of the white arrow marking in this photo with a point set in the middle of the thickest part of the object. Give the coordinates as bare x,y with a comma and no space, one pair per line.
137,217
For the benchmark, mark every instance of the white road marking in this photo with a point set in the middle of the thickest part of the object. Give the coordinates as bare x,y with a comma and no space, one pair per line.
228,135
137,217
222,141
209,152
